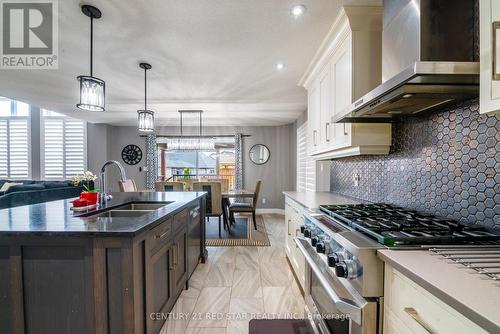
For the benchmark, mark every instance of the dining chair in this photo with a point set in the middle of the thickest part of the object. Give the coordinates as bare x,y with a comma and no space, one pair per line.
188,183
224,183
246,207
169,186
213,200
127,186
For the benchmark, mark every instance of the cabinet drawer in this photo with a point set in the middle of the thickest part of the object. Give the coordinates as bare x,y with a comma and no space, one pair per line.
160,235
393,325
180,220
419,310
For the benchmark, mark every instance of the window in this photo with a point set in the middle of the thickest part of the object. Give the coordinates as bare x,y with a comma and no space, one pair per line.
175,165
14,139
306,167
63,146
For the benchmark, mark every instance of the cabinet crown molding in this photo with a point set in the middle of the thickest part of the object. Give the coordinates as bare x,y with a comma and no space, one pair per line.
351,19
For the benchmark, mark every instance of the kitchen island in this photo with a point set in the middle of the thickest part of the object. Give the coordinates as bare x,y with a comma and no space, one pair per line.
117,269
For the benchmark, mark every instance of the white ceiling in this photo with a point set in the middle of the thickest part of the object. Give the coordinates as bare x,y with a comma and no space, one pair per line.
215,55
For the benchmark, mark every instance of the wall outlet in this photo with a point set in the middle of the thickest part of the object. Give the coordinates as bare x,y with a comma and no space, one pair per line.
356,179
263,201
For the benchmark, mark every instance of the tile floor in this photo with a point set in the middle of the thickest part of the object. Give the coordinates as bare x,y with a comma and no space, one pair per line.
238,284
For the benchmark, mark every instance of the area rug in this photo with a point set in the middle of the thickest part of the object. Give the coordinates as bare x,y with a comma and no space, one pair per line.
242,233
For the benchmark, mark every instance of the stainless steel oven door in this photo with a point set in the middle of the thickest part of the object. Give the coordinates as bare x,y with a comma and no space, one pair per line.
334,305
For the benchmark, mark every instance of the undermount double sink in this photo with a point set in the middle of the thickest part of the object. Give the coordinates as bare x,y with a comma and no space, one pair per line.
134,209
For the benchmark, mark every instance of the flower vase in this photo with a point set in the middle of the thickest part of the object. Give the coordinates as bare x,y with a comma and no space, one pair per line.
90,197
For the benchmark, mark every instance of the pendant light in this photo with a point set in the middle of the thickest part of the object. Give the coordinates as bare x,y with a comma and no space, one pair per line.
145,117
92,89
188,143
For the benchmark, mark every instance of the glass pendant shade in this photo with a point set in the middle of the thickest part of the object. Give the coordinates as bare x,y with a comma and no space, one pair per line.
92,89
92,93
190,143
146,120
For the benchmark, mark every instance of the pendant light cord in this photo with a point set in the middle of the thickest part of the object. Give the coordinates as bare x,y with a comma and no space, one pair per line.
145,91
91,42
181,123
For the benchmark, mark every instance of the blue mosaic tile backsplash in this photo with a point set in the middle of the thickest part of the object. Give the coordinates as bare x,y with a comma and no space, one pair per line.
446,164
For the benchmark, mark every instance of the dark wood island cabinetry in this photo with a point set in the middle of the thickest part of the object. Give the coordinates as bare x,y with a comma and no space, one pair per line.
113,273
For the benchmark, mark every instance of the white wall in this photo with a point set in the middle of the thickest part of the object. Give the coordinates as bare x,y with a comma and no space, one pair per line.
105,142
97,146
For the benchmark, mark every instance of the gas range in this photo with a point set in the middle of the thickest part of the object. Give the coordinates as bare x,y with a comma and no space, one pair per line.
344,276
393,226
340,244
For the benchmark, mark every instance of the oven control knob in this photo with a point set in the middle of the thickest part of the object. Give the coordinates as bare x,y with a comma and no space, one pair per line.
307,232
314,241
320,247
346,269
334,258
341,270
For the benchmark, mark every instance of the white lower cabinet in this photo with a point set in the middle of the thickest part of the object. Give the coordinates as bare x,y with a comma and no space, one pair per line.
409,308
294,219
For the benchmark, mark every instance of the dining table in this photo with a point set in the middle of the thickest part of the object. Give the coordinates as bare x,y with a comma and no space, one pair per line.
236,194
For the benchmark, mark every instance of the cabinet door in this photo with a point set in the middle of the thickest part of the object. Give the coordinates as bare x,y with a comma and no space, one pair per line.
313,119
490,56
194,239
179,256
160,298
325,112
288,239
341,91
299,258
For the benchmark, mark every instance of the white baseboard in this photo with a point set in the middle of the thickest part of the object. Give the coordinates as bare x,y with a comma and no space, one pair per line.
270,211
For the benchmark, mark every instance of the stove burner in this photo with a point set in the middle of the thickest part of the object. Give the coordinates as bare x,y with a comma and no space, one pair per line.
393,226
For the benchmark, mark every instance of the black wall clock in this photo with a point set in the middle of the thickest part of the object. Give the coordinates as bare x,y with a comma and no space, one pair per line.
132,154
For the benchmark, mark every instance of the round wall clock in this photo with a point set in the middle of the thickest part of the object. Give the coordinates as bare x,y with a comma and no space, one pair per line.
132,154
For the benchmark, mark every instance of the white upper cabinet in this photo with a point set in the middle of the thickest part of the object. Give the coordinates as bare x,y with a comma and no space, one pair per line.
313,120
325,108
341,91
346,66
489,98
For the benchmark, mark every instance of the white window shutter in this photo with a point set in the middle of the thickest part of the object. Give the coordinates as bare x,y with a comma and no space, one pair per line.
4,149
63,147
74,147
53,148
19,148
306,166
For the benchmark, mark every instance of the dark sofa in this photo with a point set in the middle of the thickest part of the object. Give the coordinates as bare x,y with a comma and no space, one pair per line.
33,191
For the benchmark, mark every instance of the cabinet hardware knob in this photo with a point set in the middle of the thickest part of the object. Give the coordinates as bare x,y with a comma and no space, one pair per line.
161,236
414,314
177,254
297,231
171,259
495,74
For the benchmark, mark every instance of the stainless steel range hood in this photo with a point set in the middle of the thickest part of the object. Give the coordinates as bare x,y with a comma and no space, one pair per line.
428,60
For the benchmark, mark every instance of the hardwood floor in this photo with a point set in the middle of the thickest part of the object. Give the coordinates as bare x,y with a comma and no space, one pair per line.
237,284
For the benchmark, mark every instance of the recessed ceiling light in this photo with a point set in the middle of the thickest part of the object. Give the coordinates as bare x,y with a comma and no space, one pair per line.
280,66
298,10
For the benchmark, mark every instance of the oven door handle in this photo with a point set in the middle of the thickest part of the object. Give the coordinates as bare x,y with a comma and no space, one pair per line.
342,305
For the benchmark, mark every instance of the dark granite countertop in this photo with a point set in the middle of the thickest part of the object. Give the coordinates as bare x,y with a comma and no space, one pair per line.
56,218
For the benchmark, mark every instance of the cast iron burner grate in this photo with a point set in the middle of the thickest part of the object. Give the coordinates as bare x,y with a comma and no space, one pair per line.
394,226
